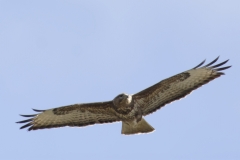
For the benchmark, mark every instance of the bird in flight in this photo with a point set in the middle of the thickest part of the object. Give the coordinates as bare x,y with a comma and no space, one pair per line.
129,109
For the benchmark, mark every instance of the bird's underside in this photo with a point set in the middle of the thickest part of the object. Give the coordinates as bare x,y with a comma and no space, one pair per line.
130,109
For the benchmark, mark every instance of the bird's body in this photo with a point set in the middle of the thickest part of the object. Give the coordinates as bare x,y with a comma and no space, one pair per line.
130,109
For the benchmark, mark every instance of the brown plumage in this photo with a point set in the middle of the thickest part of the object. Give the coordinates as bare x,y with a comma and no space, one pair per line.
129,109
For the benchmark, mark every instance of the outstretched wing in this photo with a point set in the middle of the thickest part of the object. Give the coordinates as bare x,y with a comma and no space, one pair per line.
74,115
177,87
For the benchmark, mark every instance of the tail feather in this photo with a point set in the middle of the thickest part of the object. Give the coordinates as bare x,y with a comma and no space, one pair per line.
141,127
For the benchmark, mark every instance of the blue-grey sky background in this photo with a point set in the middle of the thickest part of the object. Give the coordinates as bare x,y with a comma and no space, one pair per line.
55,53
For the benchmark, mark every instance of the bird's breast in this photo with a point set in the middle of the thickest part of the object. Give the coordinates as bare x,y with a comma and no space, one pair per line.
131,114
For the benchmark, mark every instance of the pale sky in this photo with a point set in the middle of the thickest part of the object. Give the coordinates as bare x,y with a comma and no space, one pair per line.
56,53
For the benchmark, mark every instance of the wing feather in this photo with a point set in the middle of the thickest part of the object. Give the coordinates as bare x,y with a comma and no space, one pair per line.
177,86
209,64
74,115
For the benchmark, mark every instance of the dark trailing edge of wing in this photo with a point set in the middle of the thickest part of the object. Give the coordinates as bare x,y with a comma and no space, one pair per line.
199,85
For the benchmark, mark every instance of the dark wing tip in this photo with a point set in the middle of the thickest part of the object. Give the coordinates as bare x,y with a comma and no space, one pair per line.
29,121
215,66
37,110
26,125
24,121
199,64
32,115
223,68
215,60
220,64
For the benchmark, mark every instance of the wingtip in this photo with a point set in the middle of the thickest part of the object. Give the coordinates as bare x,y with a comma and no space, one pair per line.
26,125
37,110
24,121
220,64
31,115
199,64
223,68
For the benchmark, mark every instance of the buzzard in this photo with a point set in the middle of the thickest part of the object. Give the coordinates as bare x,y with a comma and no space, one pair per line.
130,109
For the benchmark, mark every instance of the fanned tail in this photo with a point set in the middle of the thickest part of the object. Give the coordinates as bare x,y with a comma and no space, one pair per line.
141,127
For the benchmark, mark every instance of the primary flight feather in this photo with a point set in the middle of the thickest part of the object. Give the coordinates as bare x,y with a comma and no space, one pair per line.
129,109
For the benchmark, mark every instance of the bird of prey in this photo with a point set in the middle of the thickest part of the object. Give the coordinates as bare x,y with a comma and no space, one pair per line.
130,109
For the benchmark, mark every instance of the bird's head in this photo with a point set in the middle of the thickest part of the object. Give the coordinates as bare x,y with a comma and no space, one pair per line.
122,100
